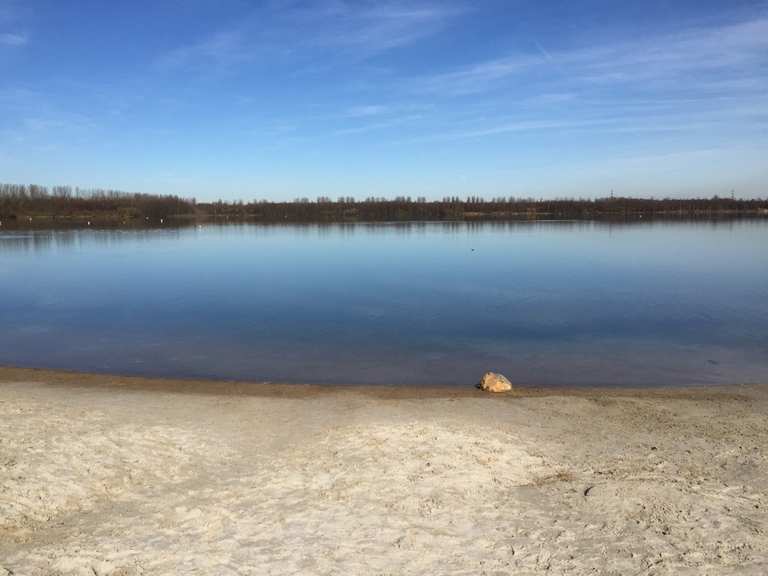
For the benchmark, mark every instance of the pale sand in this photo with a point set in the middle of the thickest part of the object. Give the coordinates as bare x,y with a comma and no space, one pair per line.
104,475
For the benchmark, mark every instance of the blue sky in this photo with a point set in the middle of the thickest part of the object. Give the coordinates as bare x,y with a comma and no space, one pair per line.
281,98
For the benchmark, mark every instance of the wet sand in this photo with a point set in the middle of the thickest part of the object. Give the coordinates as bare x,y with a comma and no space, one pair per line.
111,475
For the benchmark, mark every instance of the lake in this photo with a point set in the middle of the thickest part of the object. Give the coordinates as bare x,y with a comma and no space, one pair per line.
547,303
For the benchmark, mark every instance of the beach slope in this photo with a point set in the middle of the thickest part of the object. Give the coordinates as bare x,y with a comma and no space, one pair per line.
122,476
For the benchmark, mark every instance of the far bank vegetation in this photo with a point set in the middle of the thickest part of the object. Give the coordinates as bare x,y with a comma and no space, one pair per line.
32,205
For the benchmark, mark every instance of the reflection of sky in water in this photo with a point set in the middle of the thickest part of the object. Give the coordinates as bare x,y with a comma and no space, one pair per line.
437,303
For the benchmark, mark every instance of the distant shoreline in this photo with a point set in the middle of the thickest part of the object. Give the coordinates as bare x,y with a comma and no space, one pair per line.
35,206
50,223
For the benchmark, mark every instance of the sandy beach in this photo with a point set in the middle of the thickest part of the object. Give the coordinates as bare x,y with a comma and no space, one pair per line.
125,476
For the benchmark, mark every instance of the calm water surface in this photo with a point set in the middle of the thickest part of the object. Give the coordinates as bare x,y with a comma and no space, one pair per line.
545,303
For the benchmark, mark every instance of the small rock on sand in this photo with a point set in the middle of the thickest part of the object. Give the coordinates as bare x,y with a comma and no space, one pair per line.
492,382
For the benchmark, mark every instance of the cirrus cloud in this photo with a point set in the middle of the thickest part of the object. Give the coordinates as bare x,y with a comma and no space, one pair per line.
13,39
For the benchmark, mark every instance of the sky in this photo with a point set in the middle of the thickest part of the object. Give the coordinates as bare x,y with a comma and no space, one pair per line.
282,99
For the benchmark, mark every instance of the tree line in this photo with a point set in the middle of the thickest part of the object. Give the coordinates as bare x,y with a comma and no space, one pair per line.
375,209
64,203
23,203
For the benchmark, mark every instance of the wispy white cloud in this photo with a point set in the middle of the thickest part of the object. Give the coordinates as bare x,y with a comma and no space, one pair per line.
616,120
357,29
48,130
512,126
222,48
11,36
367,110
19,97
13,39
739,50
371,26
42,124
478,77
28,115
543,51
370,117
380,125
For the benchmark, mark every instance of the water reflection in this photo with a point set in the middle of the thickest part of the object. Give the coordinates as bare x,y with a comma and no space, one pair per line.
558,303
